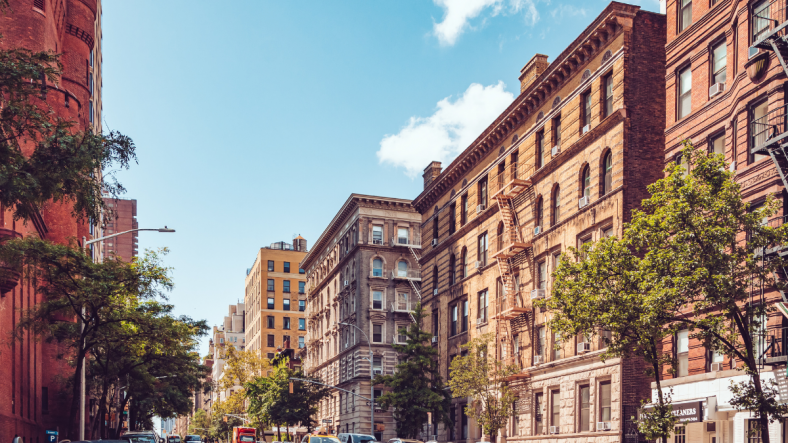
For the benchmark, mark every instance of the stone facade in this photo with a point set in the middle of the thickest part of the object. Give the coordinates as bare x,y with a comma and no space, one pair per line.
362,272
497,219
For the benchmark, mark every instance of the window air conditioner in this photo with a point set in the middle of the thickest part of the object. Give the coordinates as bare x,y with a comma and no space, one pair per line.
586,128
434,242
603,426
537,230
716,367
555,151
554,429
478,264
583,201
733,166
716,89
479,209
538,359
434,339
435,291
536,294
583,347
377,371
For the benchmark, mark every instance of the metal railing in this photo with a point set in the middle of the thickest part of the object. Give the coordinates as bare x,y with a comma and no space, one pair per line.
403,306
768,127
771,345
515,171
410,274
767,17
517,299
377,241
412,240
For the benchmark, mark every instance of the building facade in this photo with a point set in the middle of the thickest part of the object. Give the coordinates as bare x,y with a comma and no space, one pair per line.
123,218
232,332
33,396
726,87
362,273
275,297
564,164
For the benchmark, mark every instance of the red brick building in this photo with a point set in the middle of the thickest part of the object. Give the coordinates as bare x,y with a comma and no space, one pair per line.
123,219
33,397
725,90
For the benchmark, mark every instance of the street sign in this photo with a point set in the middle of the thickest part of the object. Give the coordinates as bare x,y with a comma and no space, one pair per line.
326,420
51,436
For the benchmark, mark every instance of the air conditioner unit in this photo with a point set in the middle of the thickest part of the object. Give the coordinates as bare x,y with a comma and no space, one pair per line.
477,264
586,128
434,242
435,339
554,429
435,291
716,89
603,426
479,209
733,166
537,230
538,359
583,347
555,151
536,294
377,371
583,201
716,367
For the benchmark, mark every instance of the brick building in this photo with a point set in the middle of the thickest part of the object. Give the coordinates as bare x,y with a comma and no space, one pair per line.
123,218
726,87
33,397
275,298
362,272
564,164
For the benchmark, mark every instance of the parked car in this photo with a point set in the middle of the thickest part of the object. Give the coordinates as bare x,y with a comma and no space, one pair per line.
355,438
192,439
404,440
173,438
320,438
142,437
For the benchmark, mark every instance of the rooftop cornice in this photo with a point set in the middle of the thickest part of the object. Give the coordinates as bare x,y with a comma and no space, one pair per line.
615,18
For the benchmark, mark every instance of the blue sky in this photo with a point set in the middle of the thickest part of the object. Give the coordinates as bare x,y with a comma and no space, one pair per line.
254,120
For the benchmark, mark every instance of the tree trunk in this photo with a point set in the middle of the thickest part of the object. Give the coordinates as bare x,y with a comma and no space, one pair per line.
102,409
279,431
122,408
73,420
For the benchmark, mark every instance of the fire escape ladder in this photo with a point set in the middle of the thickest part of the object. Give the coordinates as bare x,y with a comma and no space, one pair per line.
415,255
780,159
415,289
769,22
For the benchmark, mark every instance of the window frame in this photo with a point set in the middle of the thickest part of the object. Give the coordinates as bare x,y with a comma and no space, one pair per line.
382,304
607,95
586,106
601,399
680,112
607,173
482,298
584,405
539,149
270,266
712,59
382,336
556,130
555,213
681,25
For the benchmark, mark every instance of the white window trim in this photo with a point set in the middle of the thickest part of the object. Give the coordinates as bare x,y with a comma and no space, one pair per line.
382,331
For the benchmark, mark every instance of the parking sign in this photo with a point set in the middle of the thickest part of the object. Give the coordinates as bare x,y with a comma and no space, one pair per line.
51,436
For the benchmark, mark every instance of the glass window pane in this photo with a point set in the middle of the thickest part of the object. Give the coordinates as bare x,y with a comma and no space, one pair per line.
682,341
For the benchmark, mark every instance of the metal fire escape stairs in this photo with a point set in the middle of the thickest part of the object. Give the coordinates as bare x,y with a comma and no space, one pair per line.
512,247
416,289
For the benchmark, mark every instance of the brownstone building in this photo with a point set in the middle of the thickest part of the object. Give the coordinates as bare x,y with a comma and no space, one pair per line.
363,273
726,86
564,164
124,218
33,397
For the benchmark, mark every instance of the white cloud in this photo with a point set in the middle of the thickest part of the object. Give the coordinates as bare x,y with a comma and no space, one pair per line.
447,132
457,15
567,11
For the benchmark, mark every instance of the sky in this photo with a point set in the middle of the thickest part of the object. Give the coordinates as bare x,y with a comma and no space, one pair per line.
255,120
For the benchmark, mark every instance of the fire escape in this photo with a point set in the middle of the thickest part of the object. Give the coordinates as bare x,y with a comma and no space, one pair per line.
511,187
413,276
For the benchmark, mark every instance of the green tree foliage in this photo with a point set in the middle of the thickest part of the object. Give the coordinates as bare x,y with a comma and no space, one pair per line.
482,378
687,260
43,157
200,424
417,387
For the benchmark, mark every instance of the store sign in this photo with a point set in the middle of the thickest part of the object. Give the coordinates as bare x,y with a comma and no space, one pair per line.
688,412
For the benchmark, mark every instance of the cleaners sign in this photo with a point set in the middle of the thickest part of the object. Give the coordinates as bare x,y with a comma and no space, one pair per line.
687,412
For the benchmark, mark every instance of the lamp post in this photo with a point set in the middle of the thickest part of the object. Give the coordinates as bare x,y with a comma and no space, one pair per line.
371,379
85,244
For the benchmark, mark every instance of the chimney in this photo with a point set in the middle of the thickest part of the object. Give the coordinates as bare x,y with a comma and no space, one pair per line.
533,69
299,244
431,172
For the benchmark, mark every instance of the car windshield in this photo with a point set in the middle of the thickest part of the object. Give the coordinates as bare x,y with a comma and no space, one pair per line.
140,438
323,440
247,438
192,438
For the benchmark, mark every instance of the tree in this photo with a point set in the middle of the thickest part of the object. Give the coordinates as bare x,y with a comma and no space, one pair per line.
242,366
483,379
417,387
692,252
200,423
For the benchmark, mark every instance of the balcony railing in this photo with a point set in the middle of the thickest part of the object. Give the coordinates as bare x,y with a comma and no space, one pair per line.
769,129
403,306
410,274
512,305
772,346
512,180
766,20
507,244
412,240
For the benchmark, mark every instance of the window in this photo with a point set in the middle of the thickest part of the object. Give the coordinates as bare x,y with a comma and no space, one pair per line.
435,326
556,346
270,266
760,124
541,341
482,250
482,193
301,324
557,130
482,309
377,267
464,324
271,340
452,218
464,210
301,271
302,305
271,285
607,232
607,172
270,356
453,417
685,92
402,302
539,148
464,422
556,206
719,62
604,401
44,400
717,144
435,233
586,117
286,286
753,432
538,409
377,362
377,235
270,303
452,270
377,300
685,14
271,322
463,262
401,337
286,323
682,353
301,342
286,304
301,287
285,339
402,236
454,316
402,269
287,267
585,408
761,21
607,84
539,212
585,183
555,408
541,275
377,333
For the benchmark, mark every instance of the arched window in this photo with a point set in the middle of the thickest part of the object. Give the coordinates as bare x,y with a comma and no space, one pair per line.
377,267
539,212
500,236
607,172
585,182
434,279
463,262
402,269
452,270
556,205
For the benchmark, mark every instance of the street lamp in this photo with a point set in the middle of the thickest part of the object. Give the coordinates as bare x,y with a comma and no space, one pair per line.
371,378
85,244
